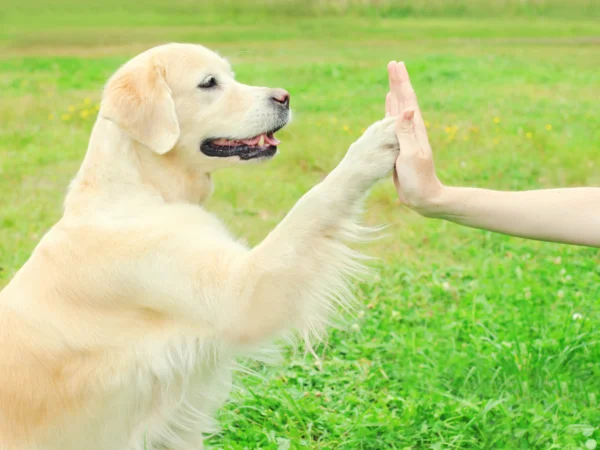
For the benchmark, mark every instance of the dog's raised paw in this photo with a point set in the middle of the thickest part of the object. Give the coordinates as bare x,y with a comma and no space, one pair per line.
375,152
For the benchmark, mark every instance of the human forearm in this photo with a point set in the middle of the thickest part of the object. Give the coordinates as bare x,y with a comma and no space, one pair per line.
558,215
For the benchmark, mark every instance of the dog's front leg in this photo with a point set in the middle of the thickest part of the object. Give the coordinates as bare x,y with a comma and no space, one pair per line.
295,277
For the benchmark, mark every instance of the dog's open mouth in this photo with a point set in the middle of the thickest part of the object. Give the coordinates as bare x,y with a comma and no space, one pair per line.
261,146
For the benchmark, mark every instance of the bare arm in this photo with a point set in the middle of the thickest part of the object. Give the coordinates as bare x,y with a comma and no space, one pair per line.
569,216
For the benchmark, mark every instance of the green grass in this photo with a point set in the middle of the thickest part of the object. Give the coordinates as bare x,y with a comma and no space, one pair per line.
466,339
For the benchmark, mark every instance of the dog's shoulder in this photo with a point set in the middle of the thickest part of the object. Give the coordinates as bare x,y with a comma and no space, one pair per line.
120,234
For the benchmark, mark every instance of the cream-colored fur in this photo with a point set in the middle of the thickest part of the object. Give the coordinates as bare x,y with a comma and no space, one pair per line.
120,331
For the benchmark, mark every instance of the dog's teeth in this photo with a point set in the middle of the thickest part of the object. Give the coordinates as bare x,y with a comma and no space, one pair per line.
261,141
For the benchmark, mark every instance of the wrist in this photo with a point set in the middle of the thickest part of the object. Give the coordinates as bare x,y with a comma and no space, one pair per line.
437,204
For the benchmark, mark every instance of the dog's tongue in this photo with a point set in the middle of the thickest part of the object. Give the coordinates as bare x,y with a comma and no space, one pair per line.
272,139
268,139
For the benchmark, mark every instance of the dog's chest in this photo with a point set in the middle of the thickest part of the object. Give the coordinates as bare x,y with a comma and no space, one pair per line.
180,405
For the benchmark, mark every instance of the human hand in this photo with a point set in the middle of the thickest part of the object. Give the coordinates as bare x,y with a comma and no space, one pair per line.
414,176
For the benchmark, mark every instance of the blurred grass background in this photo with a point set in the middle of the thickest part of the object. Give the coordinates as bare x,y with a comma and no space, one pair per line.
466,339
179,11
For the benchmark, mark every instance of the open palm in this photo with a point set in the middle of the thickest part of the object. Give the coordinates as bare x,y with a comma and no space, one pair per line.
414,176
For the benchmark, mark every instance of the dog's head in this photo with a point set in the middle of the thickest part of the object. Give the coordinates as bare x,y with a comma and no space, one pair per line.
184,98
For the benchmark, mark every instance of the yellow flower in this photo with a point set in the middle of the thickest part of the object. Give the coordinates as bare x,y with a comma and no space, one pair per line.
475,129
496,141
448,129
496,119
528,135
346,128
50,116
454,128
65,117
548,127
97,107
363,130
84,113
71,108
87,101
427,124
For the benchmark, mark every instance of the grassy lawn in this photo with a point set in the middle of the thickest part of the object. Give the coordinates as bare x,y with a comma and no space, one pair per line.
464,339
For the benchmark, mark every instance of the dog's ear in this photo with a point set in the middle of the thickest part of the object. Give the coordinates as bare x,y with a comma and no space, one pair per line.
139,101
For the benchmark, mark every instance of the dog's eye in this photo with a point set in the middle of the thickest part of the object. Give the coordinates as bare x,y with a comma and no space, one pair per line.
209,82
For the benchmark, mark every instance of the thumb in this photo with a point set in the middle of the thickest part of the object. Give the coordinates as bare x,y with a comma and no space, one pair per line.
404,124
405,131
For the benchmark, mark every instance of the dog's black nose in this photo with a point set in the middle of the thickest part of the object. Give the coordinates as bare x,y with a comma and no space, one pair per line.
282,97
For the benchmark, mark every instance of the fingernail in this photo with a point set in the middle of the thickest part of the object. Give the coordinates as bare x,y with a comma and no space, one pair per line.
409,114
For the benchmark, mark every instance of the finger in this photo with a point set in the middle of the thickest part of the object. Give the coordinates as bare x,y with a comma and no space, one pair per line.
394,83
405,131
409,101
391,68
388,104
394,110
404,90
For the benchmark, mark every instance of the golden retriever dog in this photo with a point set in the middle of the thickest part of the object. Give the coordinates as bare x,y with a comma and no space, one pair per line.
121,330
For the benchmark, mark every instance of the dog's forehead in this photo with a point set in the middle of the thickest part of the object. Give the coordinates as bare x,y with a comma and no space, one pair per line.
191,58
